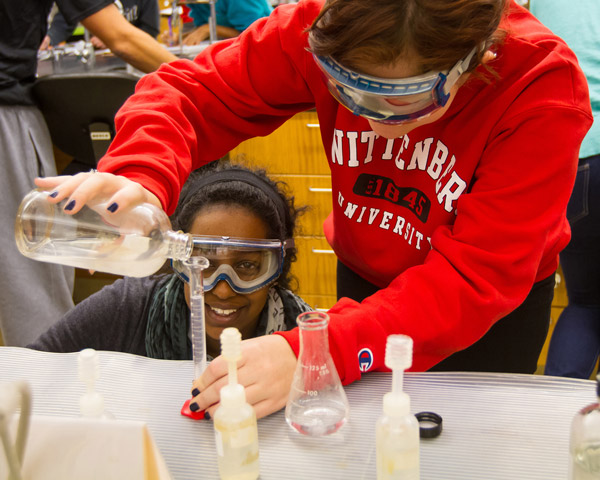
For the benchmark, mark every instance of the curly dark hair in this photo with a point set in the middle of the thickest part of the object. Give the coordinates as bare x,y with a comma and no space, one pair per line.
196,195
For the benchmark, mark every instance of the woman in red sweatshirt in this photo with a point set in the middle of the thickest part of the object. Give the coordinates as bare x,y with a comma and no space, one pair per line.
452,130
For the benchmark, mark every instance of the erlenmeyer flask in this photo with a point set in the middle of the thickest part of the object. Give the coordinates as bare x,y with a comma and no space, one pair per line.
317,404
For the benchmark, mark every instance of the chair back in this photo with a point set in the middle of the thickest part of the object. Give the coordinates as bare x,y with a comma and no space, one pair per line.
80,108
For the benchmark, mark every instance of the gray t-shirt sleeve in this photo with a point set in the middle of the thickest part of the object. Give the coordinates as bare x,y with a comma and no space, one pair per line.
113,319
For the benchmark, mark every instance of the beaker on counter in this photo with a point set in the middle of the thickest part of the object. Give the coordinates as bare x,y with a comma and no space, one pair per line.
317,404
135,242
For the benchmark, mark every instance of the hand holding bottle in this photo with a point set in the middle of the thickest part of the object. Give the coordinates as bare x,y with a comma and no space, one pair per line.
120,192
266,371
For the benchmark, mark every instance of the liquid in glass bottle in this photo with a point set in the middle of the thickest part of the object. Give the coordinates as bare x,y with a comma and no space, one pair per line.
135,242
584,442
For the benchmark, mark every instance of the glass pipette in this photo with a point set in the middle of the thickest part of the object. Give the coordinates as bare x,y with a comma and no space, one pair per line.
196,265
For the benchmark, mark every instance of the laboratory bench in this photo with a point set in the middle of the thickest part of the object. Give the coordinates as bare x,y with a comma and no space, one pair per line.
76,58
495,426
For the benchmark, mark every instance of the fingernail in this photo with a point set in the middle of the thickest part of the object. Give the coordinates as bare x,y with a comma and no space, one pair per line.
195,392
207,416
112,208
194,407
54,194
70,205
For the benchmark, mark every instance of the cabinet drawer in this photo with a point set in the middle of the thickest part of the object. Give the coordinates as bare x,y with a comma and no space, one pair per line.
315,268
294,148
320,302
314,192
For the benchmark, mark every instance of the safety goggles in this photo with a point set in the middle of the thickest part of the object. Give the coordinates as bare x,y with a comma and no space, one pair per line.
391,101
245,264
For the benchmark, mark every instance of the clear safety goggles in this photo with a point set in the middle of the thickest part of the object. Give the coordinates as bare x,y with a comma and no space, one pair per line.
245,264
391,101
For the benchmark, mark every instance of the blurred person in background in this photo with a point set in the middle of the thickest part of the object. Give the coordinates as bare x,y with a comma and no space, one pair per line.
233,17
34,294
575,342
143,14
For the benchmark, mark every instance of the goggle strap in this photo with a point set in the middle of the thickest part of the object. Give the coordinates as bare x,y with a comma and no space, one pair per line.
457,71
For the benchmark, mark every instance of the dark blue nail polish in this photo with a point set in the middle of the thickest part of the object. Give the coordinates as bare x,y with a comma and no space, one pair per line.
112,208
70,205
195,392
54,194
207,416
194,407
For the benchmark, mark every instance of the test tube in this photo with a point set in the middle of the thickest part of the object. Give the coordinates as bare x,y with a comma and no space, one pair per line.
196,265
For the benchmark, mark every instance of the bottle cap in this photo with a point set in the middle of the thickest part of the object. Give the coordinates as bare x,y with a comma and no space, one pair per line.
231,344
398,352
233,396
396,404
88,363
430,424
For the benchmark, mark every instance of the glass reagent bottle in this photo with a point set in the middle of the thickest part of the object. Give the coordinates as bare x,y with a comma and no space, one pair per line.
584,443
236,431
135,242
397,430
317,404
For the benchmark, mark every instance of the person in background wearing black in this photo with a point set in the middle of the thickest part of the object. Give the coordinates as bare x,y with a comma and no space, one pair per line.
35,294
142,14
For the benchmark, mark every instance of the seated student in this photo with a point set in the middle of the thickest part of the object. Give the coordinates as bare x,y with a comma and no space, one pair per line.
150,316
233,17
143,14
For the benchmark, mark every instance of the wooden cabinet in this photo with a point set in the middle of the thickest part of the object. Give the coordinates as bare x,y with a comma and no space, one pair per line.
559,302
294,154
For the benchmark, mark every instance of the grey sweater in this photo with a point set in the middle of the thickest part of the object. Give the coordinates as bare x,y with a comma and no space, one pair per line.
116,318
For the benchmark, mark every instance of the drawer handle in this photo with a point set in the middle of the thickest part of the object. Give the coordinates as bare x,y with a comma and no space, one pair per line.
320,189
312,125
317,250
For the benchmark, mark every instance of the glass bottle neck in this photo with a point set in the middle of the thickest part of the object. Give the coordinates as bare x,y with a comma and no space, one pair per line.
179,245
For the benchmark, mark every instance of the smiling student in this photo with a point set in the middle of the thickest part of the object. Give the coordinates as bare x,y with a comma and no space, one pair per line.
243,224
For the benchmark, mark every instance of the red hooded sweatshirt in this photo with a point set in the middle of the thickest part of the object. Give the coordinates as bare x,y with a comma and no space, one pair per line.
455,221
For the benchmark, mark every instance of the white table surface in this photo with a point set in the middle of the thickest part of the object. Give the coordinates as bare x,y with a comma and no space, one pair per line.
496,426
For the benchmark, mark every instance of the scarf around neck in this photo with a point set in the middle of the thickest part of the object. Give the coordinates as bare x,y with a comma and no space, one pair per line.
168,327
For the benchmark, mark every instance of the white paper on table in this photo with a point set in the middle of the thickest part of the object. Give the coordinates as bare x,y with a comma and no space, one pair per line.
88,449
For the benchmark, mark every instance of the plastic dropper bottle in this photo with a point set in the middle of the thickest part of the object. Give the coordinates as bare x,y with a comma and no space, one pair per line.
91,403
585,441
397,434
236,432
135,242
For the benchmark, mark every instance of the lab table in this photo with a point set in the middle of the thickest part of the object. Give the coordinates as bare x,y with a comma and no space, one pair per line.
71,59
495,426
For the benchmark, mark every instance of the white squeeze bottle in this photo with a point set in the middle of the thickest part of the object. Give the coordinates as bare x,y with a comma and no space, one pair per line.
236,432
397,434
91,403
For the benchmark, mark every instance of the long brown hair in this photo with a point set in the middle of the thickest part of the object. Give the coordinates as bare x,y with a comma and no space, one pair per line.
436,33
